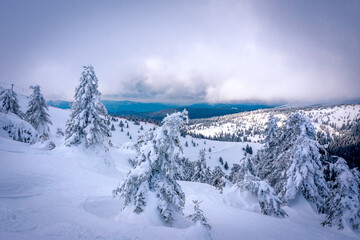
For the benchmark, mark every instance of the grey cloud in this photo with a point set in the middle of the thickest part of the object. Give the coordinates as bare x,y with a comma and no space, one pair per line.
290,51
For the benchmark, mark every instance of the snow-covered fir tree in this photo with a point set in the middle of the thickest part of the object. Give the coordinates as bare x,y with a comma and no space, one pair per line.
185,169
343,205
121,124
10,103
238,171
294,165
89,120
271,131
270,203
234,173
37,114
202,172
155,168
218,178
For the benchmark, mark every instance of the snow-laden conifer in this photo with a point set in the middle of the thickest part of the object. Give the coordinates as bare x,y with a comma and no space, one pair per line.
10,103
343,204
238,171
218,178
202,172
89,120
155,167
270,203
271,131
294,165
37,114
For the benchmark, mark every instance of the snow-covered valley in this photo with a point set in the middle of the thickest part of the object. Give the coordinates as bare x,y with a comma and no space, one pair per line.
66,193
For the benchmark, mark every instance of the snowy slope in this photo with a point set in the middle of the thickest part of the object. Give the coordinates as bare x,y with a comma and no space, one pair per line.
66,193
251,124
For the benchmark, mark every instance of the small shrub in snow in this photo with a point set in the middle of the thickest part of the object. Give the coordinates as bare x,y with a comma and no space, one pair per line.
50,145
59,132
198,215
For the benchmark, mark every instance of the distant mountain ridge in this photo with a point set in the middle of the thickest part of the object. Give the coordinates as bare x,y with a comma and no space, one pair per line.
157,111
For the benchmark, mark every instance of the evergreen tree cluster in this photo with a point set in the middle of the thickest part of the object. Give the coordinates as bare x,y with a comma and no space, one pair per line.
292,162
36,115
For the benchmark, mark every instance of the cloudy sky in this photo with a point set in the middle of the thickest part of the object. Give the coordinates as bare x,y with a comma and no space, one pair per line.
185,51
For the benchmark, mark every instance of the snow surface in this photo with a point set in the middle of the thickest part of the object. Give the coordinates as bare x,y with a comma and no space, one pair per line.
324,118
66,193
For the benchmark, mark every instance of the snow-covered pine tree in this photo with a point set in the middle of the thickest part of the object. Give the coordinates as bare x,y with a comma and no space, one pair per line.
270,203
121,124
218,178
37,114
155,167
10,102
185,169
234,173
88,120
271,131
343,204
238,171
294,165
202,172
264,157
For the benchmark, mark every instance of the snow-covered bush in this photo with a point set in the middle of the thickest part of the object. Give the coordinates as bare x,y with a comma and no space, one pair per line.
198,215
89,119
14,127
343,205
59,132
155,168
37,113
269,202
50,145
